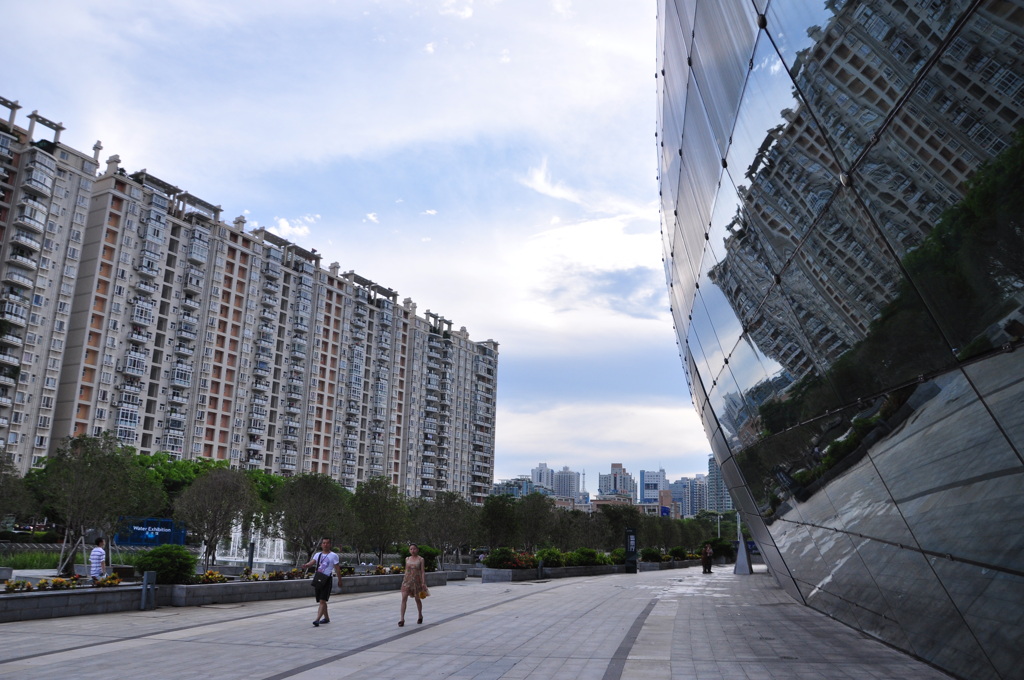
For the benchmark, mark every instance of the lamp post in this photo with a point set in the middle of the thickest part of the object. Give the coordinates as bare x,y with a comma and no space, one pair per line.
719,525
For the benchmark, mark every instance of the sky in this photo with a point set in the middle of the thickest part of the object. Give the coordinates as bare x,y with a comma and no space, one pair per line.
492,160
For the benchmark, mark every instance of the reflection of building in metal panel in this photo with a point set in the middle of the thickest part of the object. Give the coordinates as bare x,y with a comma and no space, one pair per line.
841,205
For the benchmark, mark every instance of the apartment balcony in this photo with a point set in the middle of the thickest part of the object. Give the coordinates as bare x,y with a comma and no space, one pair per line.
184,350
271,286
198,254
146,286
293,408
7,381
260,400
22,261
4,422
287,465
262,372
193,284
299,355
267,315
256,430
131,387
17,316
189,319
254,456
270,300
15,277
9,359
350,448
27,241
261,385
190,303
176,397
272,271
186,334
300,326
351,422
6,402
147,271
37,186
290,436
255,445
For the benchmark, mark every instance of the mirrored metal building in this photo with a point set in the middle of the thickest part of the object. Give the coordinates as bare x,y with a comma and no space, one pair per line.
843,227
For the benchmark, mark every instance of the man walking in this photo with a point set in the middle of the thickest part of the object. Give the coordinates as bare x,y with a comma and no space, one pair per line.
97,561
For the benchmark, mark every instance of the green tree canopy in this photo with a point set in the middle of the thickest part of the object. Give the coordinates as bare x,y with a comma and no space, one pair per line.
308,508
213,504
498,522
382,513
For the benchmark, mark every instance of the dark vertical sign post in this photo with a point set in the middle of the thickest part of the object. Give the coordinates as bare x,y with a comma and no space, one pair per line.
630,550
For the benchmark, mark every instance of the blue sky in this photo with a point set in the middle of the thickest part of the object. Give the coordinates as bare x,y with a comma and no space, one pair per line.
493,160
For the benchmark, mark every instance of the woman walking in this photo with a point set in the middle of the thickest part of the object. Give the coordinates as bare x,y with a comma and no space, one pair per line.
414,583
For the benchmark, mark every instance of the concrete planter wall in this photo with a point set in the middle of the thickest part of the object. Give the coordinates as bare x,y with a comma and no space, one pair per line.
76,602
512,575
50,604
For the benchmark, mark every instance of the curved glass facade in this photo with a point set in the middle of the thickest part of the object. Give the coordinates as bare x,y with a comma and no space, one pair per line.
843,223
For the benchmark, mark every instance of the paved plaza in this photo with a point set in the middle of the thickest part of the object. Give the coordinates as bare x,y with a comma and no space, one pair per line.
676,624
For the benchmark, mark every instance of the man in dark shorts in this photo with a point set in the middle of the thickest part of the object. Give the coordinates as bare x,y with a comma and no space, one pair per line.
326,562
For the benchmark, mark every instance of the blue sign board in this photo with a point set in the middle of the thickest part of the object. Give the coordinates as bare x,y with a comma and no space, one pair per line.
150,531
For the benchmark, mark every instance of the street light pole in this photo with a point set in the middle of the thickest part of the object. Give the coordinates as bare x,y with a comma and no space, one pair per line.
719,525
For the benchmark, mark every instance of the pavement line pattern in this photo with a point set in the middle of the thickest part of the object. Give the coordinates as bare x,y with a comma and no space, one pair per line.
618,662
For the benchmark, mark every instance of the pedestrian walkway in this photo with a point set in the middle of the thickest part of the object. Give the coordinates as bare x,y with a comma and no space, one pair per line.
667,625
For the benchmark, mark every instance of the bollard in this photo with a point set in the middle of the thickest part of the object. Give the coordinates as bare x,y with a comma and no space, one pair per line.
148,590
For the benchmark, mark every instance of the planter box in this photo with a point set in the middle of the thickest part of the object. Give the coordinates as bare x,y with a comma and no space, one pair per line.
595,570
6,573
248,591
674,564
54,603
488,575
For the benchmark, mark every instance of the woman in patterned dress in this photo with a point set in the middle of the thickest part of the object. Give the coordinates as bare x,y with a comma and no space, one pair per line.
414,583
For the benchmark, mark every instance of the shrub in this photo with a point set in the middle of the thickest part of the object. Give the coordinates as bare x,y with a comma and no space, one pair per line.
650,555
210,576
618,556
172,564
678,552
585,557
551,557
506,558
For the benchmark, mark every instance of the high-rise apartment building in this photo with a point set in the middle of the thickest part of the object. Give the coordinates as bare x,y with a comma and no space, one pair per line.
131,306
840,187
691,493
544,476
719,499
651,483
618,482
567,484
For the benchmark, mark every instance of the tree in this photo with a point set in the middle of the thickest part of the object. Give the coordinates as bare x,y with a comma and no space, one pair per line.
15,499
175,475
446,522
213,504
534,513
382,514
498,521
308,508
91,483
619,518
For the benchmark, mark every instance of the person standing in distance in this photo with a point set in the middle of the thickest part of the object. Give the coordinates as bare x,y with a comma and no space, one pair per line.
327,562
97,561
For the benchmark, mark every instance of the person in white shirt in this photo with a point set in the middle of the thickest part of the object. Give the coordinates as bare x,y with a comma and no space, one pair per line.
97,561
326,561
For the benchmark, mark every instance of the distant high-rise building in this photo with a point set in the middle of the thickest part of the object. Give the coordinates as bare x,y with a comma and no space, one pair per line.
567,484
719,499
691,494
618,483
650,484
132,307
544,476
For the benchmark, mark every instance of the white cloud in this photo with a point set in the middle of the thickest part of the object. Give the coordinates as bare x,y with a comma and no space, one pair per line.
429,48
429,211
592,436
294,229
462,9
372,217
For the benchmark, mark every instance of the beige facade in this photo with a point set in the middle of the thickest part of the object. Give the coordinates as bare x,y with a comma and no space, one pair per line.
131,306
